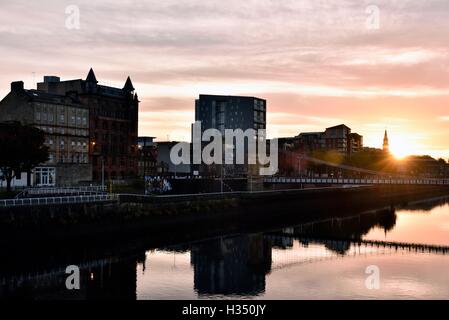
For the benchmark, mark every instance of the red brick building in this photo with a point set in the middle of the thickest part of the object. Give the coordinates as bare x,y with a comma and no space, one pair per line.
113,123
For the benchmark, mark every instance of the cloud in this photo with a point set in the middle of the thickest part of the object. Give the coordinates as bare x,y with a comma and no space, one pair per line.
315,61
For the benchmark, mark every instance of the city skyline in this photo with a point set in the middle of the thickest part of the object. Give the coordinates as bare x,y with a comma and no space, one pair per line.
317,67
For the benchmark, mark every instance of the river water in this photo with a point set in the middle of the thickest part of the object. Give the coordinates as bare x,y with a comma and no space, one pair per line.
389,253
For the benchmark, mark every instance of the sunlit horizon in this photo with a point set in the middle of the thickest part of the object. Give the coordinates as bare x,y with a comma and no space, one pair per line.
315,62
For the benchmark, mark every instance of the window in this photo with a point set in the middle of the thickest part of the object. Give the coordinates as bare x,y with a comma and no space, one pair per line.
38,116
45,176
73,119
61,118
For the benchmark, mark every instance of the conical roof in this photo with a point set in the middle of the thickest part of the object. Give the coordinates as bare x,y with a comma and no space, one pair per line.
128,85
91,76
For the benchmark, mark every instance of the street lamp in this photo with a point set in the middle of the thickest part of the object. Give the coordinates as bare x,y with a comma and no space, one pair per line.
102,164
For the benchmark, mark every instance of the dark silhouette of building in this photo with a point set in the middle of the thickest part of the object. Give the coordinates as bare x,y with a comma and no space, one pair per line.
230,112
338,138
386,144
113,122
147,162
65,120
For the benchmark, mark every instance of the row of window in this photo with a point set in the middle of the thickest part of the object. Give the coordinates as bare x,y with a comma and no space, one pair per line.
47,113
110,125
63,131
72,158
49,118
79,144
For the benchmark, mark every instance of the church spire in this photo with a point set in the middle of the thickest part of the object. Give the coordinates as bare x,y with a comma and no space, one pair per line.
386,145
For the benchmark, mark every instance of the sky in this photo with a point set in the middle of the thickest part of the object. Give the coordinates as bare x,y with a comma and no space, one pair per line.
372,65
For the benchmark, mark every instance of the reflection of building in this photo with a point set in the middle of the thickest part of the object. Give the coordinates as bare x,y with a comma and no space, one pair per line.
230,112
282,242
114,281
113,278
113,120
65,121
231,266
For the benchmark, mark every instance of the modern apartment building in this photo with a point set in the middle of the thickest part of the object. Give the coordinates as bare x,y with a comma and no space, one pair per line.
338,138
230,112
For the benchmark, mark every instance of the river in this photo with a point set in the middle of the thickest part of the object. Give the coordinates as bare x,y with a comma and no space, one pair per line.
387,253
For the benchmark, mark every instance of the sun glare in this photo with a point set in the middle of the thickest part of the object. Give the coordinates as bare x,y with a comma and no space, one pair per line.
401,147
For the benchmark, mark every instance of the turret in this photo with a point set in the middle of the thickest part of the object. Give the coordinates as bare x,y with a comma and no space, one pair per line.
91,77
91,81
128,85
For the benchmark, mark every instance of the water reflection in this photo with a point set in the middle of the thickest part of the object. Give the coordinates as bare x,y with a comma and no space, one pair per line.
295,262
232,266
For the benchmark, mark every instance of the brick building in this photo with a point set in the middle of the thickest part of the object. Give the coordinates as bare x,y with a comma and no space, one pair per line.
65,121
113,123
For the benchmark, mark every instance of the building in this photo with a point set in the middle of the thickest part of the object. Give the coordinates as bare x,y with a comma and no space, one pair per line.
147,162
355,143
113,123
230,112
386,144
338,138
164,164
65,121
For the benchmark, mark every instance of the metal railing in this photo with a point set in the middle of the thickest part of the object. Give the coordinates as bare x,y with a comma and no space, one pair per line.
87,190
58,200
358,181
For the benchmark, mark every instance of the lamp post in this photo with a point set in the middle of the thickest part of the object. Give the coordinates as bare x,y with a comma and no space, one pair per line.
102,172
102,164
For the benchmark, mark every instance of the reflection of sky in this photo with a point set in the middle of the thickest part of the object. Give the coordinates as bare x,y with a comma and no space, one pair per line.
167,275
425,227
402,275
313,271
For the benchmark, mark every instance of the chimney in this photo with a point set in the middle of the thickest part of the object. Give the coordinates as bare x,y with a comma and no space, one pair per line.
17,86
50,79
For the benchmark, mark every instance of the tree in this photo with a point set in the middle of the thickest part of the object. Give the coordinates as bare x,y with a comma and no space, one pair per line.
21,149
